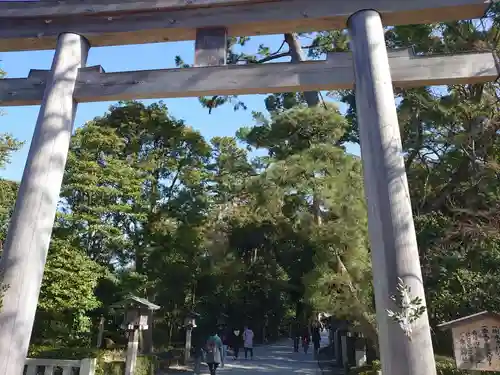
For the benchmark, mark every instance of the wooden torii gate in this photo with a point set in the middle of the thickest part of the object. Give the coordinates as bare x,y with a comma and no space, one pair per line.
72,26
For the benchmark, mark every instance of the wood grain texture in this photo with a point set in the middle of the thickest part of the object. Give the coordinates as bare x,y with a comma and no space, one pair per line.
153,26
36,204
390,220
210,47
336,73
479,362
49,8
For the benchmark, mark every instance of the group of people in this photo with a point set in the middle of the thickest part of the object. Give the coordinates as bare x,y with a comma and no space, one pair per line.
305,335
214,350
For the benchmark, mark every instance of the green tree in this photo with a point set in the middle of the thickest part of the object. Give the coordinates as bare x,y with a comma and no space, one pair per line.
312,187
450,141
135,198
66,296
8,195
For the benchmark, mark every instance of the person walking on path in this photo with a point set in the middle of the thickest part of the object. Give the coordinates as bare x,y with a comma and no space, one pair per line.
296,336
235,342
316,337
248,342
197,350
222,352
225,336
306,339
213,353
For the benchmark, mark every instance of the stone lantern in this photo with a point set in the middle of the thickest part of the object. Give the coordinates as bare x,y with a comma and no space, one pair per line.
190,319
138,313
476,339
189,324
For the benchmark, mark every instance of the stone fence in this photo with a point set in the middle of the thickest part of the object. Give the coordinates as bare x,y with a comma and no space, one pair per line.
36,366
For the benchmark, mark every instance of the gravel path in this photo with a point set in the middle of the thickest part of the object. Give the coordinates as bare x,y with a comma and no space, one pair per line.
274,359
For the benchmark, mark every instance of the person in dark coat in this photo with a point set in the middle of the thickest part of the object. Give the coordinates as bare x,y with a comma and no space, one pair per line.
316,337
225,337
296,336
236,341
197,347
306,340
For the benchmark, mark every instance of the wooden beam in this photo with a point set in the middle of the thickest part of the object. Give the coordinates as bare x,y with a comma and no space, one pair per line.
49,8
335,73
210,48
245,19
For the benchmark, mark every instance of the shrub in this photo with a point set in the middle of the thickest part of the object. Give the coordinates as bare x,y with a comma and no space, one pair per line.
444,366
447,366
368,369
51,352
145,366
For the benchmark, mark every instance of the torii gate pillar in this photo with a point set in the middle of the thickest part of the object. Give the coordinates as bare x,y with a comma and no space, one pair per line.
390,220
25,250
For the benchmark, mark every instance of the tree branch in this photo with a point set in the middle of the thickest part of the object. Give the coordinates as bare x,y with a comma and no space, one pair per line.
272,57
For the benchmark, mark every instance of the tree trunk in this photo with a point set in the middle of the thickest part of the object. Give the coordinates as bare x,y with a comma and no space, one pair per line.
367,326
298,311
316,206
297,56
311,97
369,330
170,332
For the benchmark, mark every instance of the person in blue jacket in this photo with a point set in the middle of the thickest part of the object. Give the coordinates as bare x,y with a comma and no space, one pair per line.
213,351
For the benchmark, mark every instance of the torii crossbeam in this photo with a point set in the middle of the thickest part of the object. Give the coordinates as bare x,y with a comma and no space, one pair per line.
408,70
72,26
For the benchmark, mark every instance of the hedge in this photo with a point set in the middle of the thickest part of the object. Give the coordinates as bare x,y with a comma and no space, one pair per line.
444,366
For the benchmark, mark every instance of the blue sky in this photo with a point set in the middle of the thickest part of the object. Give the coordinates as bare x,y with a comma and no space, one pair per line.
224,121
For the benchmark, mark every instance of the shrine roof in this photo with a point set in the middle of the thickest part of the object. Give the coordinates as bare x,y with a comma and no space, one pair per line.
138,302
469,319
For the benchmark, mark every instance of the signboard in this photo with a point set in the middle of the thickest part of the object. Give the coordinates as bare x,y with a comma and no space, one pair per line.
476,344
